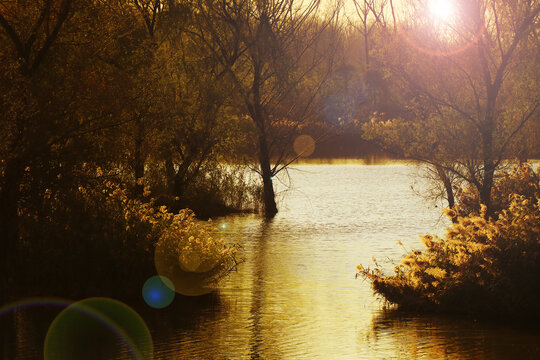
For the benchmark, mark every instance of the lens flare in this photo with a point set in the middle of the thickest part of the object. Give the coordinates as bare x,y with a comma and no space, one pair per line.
441,10
158,292
304,145
95,327
190,274
451,23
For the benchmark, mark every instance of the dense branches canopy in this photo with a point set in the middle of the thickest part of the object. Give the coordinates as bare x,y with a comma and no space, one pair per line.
277,55
470,85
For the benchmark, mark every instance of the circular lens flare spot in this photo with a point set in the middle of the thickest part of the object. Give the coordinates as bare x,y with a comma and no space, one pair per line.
158,292
452,27
98,328
191,274
304,145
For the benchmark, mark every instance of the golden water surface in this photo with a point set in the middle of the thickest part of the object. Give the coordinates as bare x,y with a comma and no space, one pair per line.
296,296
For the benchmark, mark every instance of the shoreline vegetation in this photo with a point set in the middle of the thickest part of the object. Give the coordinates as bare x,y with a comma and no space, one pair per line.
486,268
99,241
110,237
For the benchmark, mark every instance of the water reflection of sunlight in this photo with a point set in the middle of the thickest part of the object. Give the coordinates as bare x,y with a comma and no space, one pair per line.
295,295
294,310
370,160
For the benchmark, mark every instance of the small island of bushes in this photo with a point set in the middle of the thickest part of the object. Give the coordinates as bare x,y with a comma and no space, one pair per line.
483,266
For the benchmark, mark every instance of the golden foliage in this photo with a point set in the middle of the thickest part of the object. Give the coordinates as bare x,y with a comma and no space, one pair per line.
195,243
480,266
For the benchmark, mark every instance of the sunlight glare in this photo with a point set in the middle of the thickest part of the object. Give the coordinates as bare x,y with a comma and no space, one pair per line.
441,10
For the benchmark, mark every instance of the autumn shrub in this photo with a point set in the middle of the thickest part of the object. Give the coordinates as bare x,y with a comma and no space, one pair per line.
191,253
481,267
95,240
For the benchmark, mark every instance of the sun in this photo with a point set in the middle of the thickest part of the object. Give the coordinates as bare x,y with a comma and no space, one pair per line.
441,10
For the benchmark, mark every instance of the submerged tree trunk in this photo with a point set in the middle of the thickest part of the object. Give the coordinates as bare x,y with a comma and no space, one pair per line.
270,208
258,116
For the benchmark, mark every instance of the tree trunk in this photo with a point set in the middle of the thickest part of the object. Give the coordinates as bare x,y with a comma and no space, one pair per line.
489,167
366,44
257,115
448,188
393,16
485,190
523,155
270,208
179,182
169,174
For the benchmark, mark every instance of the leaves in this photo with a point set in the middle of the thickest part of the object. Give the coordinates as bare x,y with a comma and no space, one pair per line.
480,266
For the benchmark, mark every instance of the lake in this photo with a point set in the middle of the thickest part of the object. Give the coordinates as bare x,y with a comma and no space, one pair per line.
295,295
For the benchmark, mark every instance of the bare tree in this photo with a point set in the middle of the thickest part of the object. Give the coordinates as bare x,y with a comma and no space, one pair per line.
470,85
369,13
276,55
